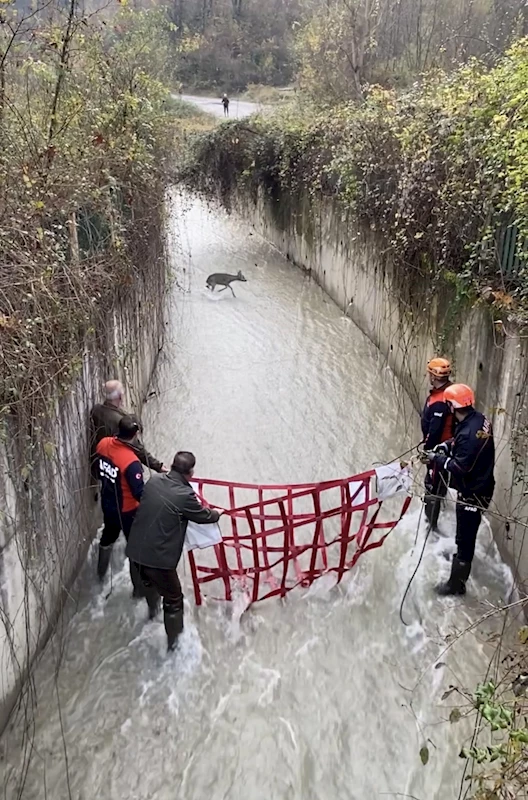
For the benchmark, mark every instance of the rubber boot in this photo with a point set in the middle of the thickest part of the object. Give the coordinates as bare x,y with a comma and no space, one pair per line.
436,504
432,511
173,621
139,589
103,561
456,585
427,508
153,601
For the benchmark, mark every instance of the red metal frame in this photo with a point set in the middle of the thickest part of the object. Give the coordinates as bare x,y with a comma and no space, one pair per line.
278,543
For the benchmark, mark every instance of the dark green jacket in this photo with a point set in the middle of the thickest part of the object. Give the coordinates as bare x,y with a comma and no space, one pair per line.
104,421
167,504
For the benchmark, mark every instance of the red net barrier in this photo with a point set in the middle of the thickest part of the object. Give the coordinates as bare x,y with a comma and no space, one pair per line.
286,536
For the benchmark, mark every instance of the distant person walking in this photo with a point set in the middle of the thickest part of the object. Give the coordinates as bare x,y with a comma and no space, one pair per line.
225,103
104,421
157,536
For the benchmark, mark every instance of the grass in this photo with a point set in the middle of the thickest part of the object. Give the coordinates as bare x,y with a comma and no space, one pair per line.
191,119
266,95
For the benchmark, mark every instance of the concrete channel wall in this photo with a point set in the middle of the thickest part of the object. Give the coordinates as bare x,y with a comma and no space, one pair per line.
48,515
407,323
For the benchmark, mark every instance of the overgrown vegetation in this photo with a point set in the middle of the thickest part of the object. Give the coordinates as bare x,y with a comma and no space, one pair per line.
438,172
86,137
88,130
496,755
344,45
500,764
228,44
333,49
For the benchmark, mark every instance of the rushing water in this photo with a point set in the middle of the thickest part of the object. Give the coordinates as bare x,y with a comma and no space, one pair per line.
324,696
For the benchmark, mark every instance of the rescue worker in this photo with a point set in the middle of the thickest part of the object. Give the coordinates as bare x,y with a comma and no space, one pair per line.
104,421
156,540
469,459
225,103
437,427
121,476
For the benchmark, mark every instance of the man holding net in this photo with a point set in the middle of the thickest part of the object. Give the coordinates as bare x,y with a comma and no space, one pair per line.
157,537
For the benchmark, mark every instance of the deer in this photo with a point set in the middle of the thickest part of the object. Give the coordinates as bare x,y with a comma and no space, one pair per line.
224,279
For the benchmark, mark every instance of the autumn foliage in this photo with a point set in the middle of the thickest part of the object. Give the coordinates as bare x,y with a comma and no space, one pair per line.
440,172
85,138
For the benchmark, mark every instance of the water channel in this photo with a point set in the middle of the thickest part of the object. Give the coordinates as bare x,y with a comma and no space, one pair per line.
324,696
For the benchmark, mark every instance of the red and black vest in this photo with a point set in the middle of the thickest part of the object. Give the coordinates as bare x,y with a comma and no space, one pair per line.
437,419
121,475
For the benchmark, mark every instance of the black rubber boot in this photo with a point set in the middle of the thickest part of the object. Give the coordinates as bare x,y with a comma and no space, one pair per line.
173,621
427,508
139,589
436,505
153,601
432,510
103,561
456,585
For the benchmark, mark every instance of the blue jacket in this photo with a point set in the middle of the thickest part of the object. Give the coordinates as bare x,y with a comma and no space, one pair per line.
472,457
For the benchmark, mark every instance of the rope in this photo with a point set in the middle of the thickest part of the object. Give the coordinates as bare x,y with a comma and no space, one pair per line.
407,590
428,532
398,458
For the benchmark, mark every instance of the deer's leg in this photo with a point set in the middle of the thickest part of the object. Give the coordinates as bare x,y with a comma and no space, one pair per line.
222,290
232,292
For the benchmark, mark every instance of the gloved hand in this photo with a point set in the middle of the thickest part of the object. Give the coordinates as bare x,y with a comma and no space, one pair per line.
444,448
440,460
425,456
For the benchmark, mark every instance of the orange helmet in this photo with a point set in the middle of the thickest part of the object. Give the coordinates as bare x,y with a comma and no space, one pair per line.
439,368
459,395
